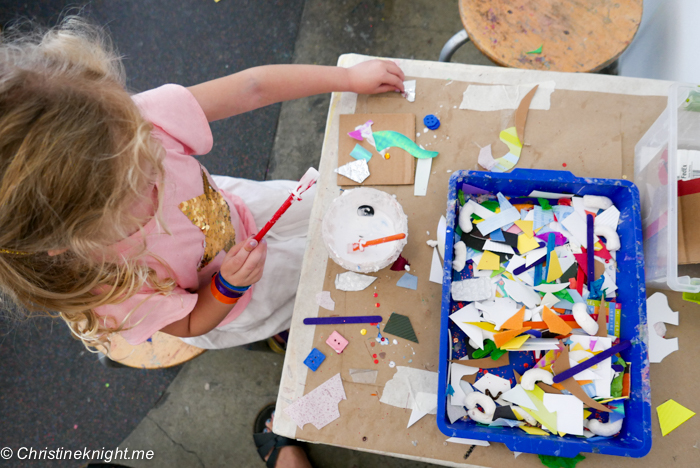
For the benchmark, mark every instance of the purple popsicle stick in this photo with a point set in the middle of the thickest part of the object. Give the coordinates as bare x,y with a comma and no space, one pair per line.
590,251
341,320
523,268
600,357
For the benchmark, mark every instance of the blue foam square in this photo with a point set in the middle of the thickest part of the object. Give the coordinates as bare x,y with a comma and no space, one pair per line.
314,359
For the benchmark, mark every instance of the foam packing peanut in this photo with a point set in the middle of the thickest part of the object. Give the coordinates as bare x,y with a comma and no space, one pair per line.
527,417
612,240
603,429
535,375
486,403
465,218
460,256
597,202
585,321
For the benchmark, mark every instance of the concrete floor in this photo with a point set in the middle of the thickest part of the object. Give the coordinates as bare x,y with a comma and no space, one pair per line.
200,425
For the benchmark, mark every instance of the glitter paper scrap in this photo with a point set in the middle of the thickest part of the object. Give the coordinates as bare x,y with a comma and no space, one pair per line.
351,281
320,406
358,152
400,325
357,171
409,90
387,139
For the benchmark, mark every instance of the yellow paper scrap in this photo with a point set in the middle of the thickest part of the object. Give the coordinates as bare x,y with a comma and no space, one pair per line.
597,246
578,347
586,413
526,227
672,415
489,261
509,136
526,244
553,267
508,275
534,430
516,342
489,327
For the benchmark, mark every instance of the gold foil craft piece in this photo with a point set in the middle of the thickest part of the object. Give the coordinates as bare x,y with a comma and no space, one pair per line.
210,213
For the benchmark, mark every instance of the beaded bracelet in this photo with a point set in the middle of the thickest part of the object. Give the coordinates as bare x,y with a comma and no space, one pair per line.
222,293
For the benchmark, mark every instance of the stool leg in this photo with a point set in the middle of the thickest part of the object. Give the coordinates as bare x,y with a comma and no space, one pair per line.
451,46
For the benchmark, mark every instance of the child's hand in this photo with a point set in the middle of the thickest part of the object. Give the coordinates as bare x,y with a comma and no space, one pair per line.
243,264
375,76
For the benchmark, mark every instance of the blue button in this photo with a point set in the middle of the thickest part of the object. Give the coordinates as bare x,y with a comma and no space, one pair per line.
432,122
314,359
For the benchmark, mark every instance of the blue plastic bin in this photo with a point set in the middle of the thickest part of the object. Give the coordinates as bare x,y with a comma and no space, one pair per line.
635,437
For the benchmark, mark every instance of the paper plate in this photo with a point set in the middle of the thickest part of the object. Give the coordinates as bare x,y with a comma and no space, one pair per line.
364,213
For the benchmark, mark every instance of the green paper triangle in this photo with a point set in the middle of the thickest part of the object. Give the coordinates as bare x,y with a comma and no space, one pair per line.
400,325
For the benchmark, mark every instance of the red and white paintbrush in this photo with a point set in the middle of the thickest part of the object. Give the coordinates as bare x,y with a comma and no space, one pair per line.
305,183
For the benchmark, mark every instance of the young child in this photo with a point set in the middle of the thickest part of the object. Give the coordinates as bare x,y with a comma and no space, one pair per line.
108,219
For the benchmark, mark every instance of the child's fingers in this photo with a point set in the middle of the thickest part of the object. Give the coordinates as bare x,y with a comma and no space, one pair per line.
385,89
393,80
393,68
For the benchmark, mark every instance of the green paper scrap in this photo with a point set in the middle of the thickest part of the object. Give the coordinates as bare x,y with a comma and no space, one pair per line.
497,272
544,204
536,51
458,231
460,196
561,462
616,384
400,325
388,138
491,205
564,295
358,152
489,349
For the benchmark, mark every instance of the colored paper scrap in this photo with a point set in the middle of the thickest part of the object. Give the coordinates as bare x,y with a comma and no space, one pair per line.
366,132
526,227
534,430
545,417
492,246
516,343
358,152
671,415
555,324
400,264
576,225
350,281
461,319
485,159
527,244
420,185
400,325
504,337
498,236
357,171
498,310
388,138
406,382
324,300
509,136
356,134
560,462
408,281
516,321
658,311
489,261
364,376
498,220
536,51
320,406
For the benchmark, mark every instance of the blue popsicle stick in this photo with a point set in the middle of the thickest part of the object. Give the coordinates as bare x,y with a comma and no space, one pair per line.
341,320
590,251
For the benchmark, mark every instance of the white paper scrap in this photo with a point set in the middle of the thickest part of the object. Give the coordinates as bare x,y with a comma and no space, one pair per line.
493,383
423,168
364,376
518,396
539,344
436,268
492,246
356,171
324,300
659,311
424,403
569,411
578,228
457,371
549,195
409,92
522,293
407,382
498,220
469,314
351,281
609,217
441,236
459,440
454,412
551,288
498,310
480,211
498,97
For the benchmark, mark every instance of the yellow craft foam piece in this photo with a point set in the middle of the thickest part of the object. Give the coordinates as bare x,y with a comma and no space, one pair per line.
526,227
489,327
542,415
516,343
553,267
672,415
489,261
505,337
534,430
509,136
526,244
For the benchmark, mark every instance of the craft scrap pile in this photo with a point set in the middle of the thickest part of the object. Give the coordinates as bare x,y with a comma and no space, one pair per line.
535,324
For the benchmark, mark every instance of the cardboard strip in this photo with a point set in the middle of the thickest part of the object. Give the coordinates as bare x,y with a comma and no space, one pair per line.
521,113
573,387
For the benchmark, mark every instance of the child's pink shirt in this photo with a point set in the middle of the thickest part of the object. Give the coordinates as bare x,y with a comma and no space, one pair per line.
182,128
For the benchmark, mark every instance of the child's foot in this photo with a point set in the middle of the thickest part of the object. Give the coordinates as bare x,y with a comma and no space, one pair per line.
270,445
278,343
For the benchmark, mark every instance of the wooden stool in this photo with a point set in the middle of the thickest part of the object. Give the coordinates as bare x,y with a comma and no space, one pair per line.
161,351
574,36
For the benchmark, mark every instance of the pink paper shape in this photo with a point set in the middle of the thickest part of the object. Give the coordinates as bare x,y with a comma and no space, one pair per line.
514,229
485,158
593,343
356,134
320,406
337,342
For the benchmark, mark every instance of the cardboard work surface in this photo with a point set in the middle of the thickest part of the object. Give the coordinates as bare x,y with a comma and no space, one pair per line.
399,169
594,134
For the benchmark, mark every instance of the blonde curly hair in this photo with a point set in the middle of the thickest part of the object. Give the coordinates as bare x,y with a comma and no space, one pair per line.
76,157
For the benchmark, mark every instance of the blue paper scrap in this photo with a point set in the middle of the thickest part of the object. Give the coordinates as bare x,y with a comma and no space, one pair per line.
408,281
358,152
497,235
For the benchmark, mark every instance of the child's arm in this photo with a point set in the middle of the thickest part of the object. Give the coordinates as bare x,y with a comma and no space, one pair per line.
261,86
242,266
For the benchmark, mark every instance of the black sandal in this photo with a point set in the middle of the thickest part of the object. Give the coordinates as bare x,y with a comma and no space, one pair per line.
266,441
